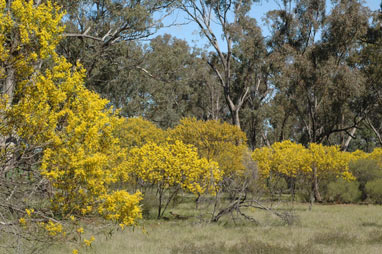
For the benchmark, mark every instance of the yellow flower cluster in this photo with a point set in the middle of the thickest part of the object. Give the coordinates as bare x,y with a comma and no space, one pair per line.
52,228
29,212
291,159
136,131
90,241
28,33
173,164
22,221
122,207
215,141
375,155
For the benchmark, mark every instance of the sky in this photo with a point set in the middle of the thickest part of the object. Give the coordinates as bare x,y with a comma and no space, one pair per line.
190,32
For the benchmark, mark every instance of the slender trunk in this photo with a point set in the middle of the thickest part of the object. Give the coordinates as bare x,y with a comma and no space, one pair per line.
347,142
197,201
317,195
168,201
8,90
217,198
9,85
160,204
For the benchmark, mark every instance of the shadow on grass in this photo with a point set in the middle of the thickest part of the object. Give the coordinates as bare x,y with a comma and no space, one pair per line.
371,224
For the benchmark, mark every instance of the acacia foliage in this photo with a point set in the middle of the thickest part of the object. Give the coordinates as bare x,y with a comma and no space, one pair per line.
171,167
175,164
137,131
64,149
215,141
293,160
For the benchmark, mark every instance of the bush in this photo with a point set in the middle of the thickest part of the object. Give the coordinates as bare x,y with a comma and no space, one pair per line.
343,191
365,170
374,190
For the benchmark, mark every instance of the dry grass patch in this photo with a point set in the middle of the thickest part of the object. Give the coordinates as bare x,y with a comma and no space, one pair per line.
325,229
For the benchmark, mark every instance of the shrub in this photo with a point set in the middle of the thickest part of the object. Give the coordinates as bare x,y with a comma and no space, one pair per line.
343,191
374,190
365,170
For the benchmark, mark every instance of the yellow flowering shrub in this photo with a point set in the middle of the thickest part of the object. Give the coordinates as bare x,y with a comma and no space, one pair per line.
82,157
220,142
286,157
291,159
330,160
68,133
295,162
173,166
121,207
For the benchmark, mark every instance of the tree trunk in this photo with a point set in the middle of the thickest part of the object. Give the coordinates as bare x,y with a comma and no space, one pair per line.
345,145
160,204
317,195
236,118
8,90
9,85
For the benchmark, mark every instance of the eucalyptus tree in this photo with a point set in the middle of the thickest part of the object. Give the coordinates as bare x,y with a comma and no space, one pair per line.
98,32
369,60
315,81
178,82
312,73
251,69
233,22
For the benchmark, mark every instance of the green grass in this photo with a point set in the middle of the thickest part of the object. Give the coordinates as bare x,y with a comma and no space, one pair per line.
324,229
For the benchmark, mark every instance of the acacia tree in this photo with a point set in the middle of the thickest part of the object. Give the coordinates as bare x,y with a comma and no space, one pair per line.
171,168
225,144
297,162
59,157
204,13
215,141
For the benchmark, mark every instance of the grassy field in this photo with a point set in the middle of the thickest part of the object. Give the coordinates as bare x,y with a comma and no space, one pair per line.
324,229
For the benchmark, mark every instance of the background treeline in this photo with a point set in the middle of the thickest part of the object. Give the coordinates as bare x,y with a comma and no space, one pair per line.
314,78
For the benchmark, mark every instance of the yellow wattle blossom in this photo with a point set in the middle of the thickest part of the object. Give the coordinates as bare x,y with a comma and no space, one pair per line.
292,160
90,241
22,221
26,26
74,251
52,228
215,141
136,131
29,211
174,164
122,207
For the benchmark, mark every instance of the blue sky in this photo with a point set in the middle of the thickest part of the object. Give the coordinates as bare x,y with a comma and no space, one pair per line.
190,31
